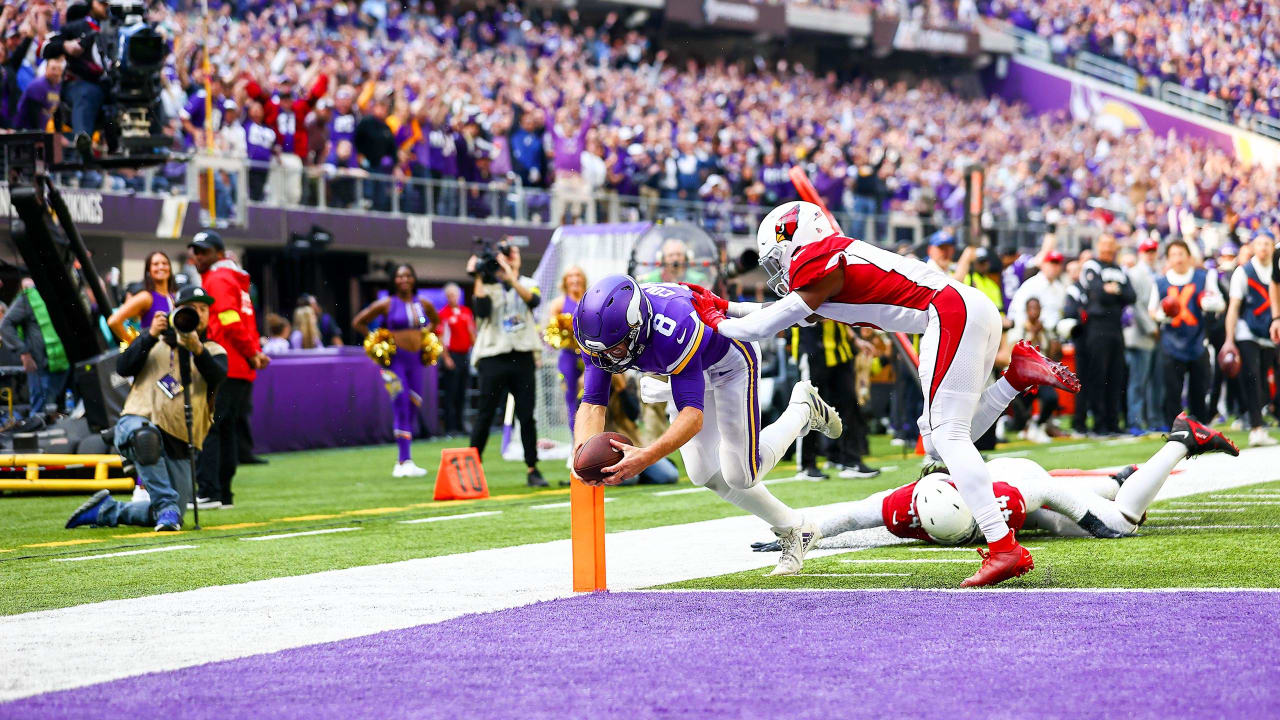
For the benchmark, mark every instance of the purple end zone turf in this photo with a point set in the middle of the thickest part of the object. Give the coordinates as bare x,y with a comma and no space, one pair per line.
753,655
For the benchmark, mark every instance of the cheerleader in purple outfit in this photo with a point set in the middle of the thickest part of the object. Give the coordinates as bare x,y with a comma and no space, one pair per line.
406,317
573,284
156,297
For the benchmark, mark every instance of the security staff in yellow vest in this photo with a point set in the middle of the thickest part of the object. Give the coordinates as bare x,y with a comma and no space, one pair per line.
829,354
152,430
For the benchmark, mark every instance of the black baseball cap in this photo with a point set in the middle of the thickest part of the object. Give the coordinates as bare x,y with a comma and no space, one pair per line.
208,240
193,294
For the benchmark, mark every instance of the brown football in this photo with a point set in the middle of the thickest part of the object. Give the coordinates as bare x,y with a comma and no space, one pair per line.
597,453
1171,306
1229,362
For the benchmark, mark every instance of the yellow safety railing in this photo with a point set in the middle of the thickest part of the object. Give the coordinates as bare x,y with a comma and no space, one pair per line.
33,463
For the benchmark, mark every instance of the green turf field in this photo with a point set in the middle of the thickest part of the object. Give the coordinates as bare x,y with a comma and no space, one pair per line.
352,488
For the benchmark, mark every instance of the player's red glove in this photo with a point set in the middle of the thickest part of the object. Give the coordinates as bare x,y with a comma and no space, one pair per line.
707,311
698,291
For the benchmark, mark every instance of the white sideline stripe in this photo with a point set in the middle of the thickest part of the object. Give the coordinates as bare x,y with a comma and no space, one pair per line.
565,504
1244,496
910,561
298,534
442,518
166,548
1237,503
809,575
1166,511
780,481
1175,517
967,549
888,468
965,591
231,621
681,491
1213,527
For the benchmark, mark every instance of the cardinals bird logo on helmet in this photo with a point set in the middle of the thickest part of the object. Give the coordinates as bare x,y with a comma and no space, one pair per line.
782,233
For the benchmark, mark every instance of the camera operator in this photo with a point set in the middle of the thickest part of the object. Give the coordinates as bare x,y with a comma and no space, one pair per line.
152,430
80,40
506,339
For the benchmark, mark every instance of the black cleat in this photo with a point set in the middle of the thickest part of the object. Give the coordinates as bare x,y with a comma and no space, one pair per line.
767,546
1097,528
1123,473
811,473
535,479
1199,438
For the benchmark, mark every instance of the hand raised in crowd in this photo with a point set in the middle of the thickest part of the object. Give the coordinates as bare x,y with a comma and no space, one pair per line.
159,323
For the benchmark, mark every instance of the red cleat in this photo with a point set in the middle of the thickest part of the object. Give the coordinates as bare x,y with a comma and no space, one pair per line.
1200,439
1000,566
1028,369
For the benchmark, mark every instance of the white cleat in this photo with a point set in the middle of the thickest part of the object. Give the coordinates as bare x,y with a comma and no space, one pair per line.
1259,437
795,543
408,469
822,417
140,494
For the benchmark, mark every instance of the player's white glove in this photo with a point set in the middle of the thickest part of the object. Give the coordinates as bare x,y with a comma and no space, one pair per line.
1212,303
653,390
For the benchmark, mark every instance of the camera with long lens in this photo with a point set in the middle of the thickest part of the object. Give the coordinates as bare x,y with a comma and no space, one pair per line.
139,50
183,320
486,252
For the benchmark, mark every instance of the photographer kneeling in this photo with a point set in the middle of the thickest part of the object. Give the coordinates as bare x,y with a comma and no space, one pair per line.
152,430
506,339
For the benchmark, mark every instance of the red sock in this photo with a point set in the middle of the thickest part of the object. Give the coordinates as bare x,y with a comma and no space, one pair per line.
1004,544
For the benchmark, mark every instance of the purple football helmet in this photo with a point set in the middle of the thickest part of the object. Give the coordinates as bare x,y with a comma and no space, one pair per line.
612,322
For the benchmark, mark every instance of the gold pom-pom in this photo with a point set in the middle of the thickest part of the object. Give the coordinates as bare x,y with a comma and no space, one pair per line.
559,333
431,347
380,345
130,334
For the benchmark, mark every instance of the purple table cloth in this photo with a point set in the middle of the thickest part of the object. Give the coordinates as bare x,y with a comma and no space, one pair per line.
327,398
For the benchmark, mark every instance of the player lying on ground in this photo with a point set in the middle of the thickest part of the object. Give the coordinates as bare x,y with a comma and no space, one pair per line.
621,324
1104,507
817,271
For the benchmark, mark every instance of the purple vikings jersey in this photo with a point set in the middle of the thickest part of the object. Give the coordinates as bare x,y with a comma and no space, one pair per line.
679,346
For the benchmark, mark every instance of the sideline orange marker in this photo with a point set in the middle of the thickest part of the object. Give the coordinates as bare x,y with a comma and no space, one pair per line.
586,532
460,477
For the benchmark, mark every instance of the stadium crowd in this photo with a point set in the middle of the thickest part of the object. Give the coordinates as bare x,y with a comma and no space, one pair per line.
1226,49
367,97
501,97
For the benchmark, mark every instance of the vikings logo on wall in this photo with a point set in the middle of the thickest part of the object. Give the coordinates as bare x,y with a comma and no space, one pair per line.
1105,112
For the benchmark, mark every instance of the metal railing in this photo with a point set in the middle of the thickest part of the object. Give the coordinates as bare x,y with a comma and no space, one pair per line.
1108,71
1194,101
1031,44
1112,72
1262,124
239,184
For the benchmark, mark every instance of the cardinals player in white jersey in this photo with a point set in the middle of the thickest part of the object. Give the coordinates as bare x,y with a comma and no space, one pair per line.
817,271
1030,498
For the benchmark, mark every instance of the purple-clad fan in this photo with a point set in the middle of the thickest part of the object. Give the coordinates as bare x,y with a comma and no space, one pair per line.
714,383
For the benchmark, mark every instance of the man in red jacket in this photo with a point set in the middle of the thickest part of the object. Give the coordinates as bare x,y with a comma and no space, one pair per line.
231,325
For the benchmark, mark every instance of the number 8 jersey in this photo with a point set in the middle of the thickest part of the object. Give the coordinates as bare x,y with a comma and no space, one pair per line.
679,345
